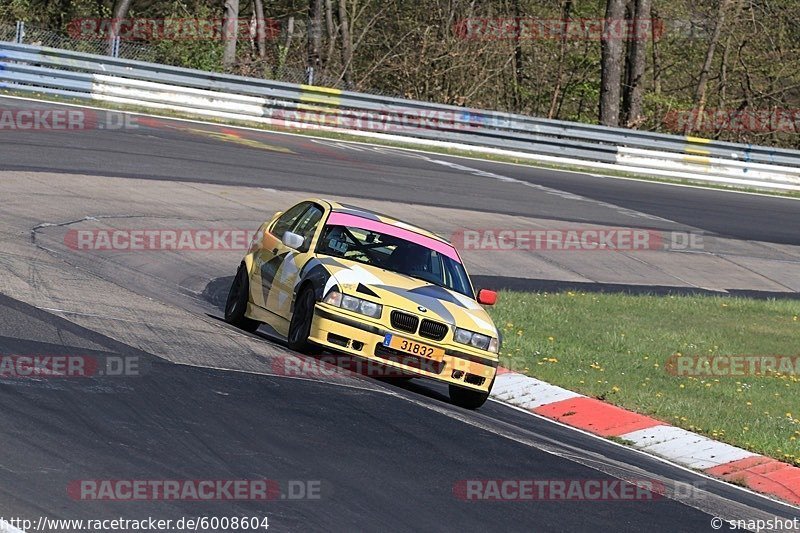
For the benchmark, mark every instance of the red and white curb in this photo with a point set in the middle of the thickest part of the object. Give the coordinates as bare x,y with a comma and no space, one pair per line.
762,474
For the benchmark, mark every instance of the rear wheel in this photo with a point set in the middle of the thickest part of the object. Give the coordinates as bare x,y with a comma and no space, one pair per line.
236,304
300,325
467,398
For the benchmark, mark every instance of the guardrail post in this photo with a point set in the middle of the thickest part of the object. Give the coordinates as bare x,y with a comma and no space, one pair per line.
115,46
20,35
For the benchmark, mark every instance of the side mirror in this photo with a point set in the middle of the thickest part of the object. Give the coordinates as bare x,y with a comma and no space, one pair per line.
292,240
487,297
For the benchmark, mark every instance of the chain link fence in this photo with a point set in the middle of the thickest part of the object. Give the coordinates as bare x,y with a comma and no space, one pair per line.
275,66
39,37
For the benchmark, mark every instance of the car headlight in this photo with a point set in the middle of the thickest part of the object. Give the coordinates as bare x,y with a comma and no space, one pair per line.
476,340
351,303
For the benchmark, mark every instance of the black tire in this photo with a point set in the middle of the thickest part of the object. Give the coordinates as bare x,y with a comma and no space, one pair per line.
300,325
467,398
236,304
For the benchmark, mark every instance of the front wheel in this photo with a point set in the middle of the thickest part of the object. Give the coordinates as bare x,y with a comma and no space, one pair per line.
236,305
300,325
467,398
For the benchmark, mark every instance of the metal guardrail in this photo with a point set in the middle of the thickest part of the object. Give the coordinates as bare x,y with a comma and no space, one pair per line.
121,81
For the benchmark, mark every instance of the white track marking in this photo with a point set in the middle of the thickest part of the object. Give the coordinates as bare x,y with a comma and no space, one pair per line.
408,151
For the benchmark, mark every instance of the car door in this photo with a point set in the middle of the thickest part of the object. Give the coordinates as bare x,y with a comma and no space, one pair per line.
287,271
272,253
289,275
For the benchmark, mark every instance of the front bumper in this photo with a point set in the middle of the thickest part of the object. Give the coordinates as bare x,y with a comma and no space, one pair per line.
346,332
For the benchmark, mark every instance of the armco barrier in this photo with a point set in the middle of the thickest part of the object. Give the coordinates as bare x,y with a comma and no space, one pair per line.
149,85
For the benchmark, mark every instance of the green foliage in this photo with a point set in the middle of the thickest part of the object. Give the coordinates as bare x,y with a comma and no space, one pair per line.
619,348
413,49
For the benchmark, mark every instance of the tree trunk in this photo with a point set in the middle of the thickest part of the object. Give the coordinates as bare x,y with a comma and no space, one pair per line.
723,75
656,65
120,13
289,34
230,33
632,98
519,76
347,45
261,28
565,13
331,29
702,81
314,38
611,64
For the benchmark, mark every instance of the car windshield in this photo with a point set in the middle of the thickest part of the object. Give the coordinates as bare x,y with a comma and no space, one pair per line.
391,251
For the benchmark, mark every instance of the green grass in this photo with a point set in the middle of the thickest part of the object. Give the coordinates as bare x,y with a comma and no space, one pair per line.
397,144
615,347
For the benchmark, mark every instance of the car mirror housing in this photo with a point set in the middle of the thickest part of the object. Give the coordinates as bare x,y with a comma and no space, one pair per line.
487,297
292,240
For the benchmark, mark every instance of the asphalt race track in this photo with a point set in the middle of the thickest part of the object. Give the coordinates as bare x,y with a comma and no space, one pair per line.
209,402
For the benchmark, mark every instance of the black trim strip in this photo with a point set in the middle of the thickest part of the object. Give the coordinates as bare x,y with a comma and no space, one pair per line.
472,358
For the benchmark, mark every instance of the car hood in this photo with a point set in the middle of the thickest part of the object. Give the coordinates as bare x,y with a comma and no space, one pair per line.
407,293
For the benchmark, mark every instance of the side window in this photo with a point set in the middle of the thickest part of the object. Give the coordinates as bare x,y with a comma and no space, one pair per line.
306,225
287,220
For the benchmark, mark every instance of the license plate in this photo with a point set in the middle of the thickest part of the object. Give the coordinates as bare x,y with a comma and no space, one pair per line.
413,347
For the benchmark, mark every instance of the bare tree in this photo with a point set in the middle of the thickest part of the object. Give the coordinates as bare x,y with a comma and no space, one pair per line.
519,73
565,14
230,32
702,81
314,37
120,12
637,60
331,29
656,61
611,48
347,45
261,29
726,50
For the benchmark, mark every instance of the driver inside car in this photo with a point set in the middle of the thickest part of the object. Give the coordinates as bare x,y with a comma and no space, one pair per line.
410,260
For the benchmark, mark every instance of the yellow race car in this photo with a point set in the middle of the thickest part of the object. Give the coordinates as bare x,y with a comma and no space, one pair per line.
332,276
